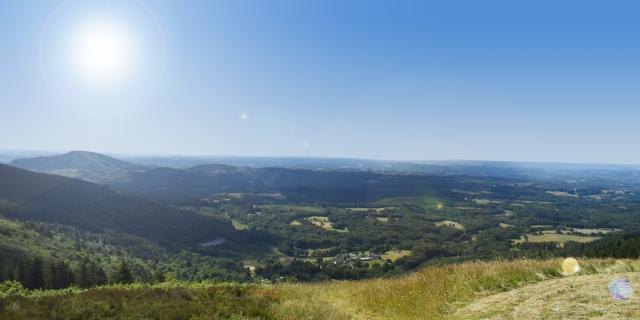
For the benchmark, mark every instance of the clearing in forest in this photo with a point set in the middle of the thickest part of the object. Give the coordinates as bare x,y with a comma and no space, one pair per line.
450,224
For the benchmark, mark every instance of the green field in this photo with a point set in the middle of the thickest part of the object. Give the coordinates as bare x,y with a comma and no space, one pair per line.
484,202
394,255
250,251
378,210
324,223
594,230
239,225
420,200
552,236
450,224
310,209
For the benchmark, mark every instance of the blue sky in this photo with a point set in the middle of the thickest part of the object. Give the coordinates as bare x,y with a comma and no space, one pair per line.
495,80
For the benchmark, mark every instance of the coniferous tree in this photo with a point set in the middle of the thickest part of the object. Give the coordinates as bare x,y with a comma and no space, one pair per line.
9,272
50,274
98,276
83,278
123,273
23,275
3,272
37,277
62,275
158,276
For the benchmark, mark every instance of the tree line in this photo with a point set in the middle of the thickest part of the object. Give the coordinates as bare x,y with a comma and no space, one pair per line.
41,273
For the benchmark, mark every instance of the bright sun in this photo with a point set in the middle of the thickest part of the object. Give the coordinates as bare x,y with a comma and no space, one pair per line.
102,52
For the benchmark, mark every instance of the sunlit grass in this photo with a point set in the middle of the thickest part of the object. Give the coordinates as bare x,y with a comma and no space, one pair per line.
560,238
239,225
450,224
431,293
394,255
324,223
311,209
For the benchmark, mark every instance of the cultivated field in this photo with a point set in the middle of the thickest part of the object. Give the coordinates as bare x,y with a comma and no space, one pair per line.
552,236
450,224
394,255
324,223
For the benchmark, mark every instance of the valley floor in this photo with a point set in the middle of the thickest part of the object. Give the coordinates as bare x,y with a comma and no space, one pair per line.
523,289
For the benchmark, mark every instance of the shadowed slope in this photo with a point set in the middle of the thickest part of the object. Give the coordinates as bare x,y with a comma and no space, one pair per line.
88,206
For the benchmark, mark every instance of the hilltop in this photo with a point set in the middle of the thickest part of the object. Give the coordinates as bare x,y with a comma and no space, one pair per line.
89,166
471,290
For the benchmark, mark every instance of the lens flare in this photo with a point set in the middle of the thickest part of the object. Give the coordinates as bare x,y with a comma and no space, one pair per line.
620,289
570,266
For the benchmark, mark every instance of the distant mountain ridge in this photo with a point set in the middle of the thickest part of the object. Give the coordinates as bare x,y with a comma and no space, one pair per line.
89,166
313,180
104,169
219,169
485,168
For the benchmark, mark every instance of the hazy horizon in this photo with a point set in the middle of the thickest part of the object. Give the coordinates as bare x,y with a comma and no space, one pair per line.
21,154
408,81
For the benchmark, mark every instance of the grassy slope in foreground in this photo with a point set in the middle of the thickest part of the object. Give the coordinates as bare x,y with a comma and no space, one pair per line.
432,293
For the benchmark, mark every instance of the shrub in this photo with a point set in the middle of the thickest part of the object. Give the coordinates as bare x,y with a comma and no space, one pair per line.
12,287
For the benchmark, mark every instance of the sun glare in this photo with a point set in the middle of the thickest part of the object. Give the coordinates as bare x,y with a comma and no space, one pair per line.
102,52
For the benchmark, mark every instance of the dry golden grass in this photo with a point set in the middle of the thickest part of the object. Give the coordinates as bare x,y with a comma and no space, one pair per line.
432,293
579,297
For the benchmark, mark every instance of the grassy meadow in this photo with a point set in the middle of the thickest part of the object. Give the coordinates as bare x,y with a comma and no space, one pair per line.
432,293
560,238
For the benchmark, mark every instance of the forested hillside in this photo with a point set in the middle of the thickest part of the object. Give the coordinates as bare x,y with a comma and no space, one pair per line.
42,255
49,198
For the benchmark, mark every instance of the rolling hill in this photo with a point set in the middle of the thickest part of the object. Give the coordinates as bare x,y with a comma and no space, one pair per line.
480,168
170,184
89,166
297,185
51,198
331,181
